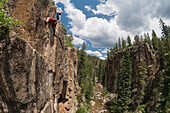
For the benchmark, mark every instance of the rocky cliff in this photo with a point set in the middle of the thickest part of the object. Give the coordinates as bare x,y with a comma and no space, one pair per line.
37,71
145,61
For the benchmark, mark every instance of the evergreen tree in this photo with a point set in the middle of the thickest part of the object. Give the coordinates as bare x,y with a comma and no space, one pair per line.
82,67
154,40
123,43
124,85
116,47
166,87
100,71
165,33
156,98
129,41
119,44
161,52
147,38
136,38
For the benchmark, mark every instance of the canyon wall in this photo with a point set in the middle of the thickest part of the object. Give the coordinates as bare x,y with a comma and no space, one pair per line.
145,62
37,70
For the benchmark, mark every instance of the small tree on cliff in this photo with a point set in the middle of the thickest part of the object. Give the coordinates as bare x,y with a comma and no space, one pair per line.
123,44
129,41
119,44
124,85
6,22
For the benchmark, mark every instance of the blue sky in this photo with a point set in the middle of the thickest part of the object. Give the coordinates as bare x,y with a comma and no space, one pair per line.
101,22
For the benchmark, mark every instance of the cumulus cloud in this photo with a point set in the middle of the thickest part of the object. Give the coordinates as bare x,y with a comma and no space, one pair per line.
105,50
96,53
101,32
78,41
134,16
105,9
102,58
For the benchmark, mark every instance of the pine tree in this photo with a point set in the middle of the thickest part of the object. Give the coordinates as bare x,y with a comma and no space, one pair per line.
154,40
100,71
136,38
124,85
82,67
129,41
165,33
161,52
123,43
147,38
156,98
166,87
119,44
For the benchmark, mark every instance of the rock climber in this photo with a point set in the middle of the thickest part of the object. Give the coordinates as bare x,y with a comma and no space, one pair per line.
54,20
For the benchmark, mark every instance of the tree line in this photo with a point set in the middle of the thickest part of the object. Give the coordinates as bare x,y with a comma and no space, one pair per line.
160,100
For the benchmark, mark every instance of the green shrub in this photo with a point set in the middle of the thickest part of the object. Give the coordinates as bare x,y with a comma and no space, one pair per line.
141,108
79,98
68,40
52,2
81,110
6,22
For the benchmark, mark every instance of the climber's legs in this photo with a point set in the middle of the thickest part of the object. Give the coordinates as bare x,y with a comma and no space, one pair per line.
54,26
48,18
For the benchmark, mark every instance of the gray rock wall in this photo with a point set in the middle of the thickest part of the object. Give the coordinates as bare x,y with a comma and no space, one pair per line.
38,72
142,57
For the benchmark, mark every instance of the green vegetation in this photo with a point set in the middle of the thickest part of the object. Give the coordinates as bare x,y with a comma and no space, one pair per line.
68,38
124,86
112,105
52,2
141,108
81,110
6,22
89,67
158,99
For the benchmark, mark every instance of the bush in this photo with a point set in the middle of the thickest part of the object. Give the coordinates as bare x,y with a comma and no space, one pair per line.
68,39
141,108
52,2
79,98
81,110
6,22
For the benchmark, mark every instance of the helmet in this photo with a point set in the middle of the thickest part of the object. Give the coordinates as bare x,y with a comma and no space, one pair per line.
59,13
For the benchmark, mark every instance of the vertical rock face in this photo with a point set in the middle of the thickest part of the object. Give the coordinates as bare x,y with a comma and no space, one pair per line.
142,57
37,71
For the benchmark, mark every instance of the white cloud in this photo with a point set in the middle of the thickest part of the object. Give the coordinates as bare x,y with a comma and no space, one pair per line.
100,32
105,50
78,41
102,58
96,53
134,16
102,1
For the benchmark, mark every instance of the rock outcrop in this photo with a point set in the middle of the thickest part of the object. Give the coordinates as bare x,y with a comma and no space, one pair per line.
144,60
37,71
